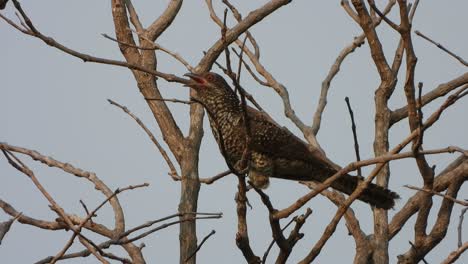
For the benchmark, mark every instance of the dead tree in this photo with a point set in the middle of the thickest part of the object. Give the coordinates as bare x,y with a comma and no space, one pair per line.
138,44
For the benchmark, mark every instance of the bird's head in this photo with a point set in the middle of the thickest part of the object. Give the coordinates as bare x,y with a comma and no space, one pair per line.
208,83
212,91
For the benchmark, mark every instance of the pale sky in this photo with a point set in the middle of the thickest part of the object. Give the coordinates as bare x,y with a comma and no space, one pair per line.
56,104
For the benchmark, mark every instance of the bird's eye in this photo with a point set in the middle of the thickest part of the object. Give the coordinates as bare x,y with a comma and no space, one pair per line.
209,77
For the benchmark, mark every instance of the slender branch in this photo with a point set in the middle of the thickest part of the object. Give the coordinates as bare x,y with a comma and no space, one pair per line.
150,135
232,34
331,227
381,161
5,226
87,211
164,20
134,16
463,203
24,219
69,168
267,251
461,60
138,237
90,215
353,127
201,244
20,166
453,256
33,31
238,17
93,250
352,222
383,16
150,223
216,177
460,225
347,7
153,45
171,100
335,68
452,173
252,73
439,91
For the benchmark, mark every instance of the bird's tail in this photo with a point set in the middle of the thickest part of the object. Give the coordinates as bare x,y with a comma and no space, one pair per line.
374,195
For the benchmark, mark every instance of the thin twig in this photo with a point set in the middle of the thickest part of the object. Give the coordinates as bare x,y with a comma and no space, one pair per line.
383,16
87,211
201,244
208,181
138,237
13,160
463,203
69,168
150,135
171,100
150,223
460,226
453,256
349,10
249,69
462,61
90,215
238,17
33,31
265,255
153,46
353,127
134,16
216,177
239,67
5,226
226,47
335,68
380,160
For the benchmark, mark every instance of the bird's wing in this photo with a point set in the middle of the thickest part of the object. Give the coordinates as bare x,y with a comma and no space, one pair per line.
278,142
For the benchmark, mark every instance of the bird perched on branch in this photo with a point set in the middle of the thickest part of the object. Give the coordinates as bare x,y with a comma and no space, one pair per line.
274,150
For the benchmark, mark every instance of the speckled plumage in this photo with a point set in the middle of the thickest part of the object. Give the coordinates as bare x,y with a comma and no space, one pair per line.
275,151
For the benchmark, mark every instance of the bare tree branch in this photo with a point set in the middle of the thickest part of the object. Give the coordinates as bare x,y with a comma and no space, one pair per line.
456,254
67,167
439,91
5,226
90,215
201,244
20,166
33,31
460,226
164,20
462,61
438,194
172,168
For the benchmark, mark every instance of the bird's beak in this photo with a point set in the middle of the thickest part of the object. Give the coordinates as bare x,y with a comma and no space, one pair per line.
195,80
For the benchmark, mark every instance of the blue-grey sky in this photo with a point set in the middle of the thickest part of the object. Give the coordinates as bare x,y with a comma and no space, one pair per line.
56,104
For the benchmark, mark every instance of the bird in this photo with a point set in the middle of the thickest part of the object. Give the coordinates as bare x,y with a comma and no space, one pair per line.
275,152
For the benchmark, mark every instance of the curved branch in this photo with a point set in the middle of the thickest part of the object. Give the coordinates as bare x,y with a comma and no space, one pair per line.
458,168
164,20
90,176
233,33
438,92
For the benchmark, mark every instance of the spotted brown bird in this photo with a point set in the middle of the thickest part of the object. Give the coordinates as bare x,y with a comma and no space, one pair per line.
275,151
